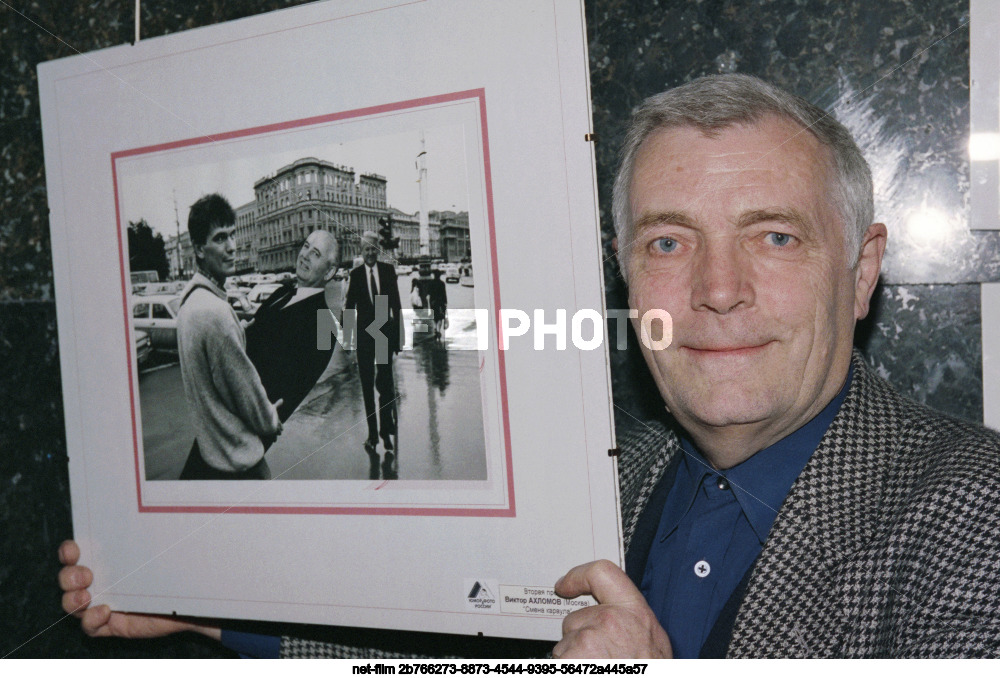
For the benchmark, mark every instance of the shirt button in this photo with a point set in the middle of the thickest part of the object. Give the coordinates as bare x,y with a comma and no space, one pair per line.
702,568
723,484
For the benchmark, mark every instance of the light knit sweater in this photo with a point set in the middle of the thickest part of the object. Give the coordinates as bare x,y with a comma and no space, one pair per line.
228,403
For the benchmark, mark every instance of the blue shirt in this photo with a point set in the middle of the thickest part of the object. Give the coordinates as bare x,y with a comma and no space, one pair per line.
712,528
252,645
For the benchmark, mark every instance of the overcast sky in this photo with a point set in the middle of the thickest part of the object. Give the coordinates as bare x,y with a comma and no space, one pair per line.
147,190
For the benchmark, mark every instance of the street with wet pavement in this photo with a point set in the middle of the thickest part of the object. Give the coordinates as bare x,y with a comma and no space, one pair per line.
439,409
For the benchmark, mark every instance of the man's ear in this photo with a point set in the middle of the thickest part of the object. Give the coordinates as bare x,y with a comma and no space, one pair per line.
868,268
614,244
330,273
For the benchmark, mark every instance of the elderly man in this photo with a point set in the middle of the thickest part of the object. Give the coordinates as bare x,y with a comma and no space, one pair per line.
373,294
281,341
795,505
229,406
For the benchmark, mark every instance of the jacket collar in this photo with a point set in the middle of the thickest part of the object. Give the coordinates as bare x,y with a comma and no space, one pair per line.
201,280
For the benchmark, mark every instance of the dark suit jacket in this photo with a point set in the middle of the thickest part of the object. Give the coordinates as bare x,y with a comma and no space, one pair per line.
886,546
282,345
359,300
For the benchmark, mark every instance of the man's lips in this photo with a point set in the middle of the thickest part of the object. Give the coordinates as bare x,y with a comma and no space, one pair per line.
734,349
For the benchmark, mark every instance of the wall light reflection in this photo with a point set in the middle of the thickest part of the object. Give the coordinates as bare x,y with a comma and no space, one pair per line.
927,226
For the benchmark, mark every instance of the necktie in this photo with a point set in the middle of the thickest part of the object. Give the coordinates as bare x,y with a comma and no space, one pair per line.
371,280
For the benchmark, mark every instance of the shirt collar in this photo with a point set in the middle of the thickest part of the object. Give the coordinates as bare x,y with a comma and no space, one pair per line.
761,482
199,279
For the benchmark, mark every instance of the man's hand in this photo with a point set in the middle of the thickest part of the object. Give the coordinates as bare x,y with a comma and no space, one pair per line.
277,404
620,626
100,621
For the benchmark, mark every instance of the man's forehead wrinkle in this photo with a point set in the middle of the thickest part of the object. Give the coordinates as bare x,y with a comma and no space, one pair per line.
728,154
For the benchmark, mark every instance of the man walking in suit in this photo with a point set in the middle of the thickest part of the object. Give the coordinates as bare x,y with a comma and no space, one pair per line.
372,294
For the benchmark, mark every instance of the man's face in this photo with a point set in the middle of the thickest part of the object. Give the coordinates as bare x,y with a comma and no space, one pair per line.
369,251
317,259
737,238
218,254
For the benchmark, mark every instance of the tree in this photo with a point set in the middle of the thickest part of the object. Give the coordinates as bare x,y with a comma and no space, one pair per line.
146,250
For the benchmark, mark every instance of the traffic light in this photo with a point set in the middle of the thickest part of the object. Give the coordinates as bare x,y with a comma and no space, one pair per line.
385,239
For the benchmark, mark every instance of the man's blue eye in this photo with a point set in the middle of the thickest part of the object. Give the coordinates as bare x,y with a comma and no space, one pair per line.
779,239
666,244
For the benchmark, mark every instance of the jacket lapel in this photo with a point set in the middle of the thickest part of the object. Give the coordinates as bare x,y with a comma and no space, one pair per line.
794,606
648,449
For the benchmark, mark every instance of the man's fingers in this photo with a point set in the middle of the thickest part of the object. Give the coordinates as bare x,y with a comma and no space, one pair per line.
579,619
602,579
94,621
69,552
74,577
75,602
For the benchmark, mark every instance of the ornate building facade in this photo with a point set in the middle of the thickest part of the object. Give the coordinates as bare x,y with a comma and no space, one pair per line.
246,253
453,228
310,194
302,197
407,228
181,258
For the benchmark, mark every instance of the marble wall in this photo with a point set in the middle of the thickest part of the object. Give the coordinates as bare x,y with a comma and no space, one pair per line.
895,71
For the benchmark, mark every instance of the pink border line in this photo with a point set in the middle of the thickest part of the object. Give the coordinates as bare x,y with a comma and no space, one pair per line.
478,94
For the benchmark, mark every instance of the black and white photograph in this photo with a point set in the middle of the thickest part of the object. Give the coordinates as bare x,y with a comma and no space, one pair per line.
254,281
296,278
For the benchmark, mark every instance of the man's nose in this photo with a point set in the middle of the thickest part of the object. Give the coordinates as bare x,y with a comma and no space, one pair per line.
722,279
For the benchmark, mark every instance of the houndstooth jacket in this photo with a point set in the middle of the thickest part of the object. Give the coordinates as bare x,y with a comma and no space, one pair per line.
887,545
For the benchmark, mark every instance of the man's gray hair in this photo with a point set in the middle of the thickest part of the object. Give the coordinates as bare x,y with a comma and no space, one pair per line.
715,102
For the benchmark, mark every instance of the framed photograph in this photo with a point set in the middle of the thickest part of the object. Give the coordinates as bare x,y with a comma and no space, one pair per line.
288,181
984,117
990,304
338,320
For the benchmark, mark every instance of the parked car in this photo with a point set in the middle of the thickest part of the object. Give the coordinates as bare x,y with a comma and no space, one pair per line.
451,272
241,303
143,346
467,279
168,287
239,283
156,315
261,292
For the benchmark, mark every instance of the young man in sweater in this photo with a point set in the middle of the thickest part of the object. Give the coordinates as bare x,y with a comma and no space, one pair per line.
228,403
